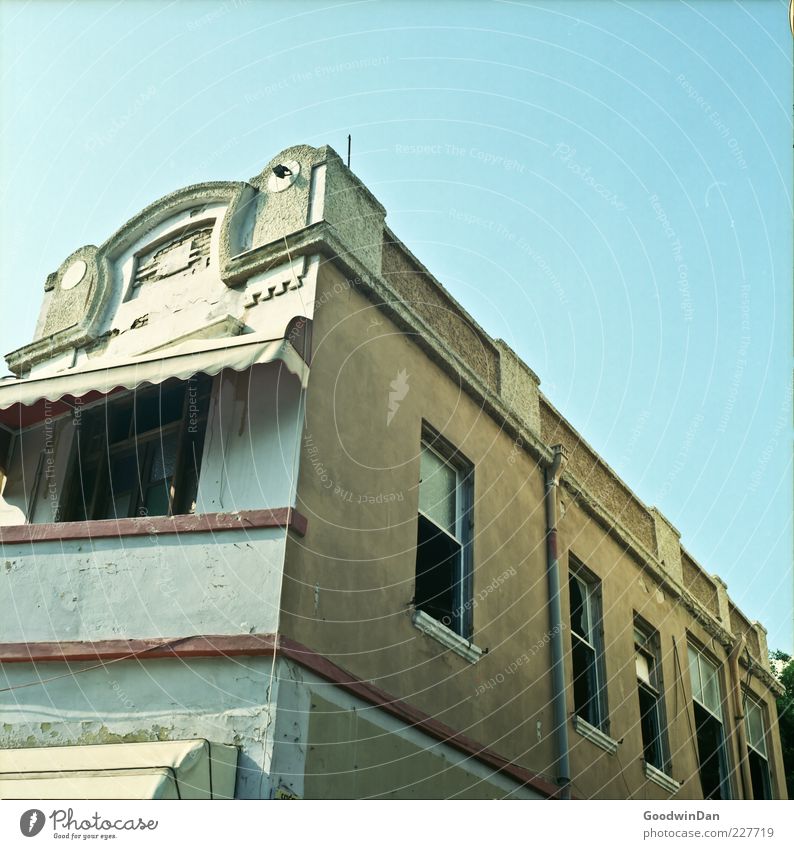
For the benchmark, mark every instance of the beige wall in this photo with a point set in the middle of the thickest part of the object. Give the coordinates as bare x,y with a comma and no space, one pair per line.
349,583
628,589
351,757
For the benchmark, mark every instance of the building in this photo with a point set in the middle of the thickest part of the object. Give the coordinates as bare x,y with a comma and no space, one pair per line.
281,520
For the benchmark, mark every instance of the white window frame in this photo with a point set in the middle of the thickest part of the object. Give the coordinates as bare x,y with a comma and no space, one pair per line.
590,588
751,703
432,441
694,651
646,643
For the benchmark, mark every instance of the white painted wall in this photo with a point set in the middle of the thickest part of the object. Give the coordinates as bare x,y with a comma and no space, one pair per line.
251,447
38,468
186,303
222,700
138,587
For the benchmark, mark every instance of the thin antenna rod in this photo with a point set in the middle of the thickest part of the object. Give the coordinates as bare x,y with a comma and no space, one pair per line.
348,150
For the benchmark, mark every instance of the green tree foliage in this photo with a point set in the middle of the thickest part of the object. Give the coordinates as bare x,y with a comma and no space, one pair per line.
784,672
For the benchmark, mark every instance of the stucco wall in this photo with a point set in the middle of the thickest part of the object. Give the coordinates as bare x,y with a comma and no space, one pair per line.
627,589
350,581
250,449
417,288
332,745
354,213
699,584
176,301
222,700
591,471
355,754
169,586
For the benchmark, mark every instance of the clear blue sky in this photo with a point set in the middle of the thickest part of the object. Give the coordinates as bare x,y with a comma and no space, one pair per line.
605,185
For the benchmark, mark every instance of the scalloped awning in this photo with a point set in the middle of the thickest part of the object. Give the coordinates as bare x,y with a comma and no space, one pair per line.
195,357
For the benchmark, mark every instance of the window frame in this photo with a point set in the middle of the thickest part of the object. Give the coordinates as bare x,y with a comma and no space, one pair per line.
461,624
593,603
723,752
649,645
749,699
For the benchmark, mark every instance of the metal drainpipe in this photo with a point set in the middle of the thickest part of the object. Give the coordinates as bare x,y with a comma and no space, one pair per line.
741,736
560,707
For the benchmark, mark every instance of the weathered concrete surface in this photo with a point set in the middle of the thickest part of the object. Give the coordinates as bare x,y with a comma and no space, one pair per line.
140,587
419,290
225,701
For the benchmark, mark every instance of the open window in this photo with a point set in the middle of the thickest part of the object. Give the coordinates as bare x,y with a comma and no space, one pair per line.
443,545
709,726
755,728
651,696
139,454
587,655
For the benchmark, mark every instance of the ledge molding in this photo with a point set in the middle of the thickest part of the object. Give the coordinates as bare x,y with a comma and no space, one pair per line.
595,735
280,517
446,636
664,781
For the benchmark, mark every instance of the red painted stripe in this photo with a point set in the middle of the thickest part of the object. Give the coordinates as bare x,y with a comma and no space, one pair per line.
252,645
280,517
181,647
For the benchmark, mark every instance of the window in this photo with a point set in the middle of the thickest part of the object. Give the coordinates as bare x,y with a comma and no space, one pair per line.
709,729
443,548
650,690
586,647
140,454
756,749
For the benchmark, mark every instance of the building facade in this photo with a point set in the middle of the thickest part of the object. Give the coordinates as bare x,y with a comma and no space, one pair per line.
268,487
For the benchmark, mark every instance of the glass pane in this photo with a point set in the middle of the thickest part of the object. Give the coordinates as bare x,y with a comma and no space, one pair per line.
158,408
694,674
120,508
759,776
711,754
156,501
585,683
85,490
124,472
438,576
754,721
438,482
643,667
118,422
649,723
171,405
146,413
164,458
185,500
711,687
580,620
